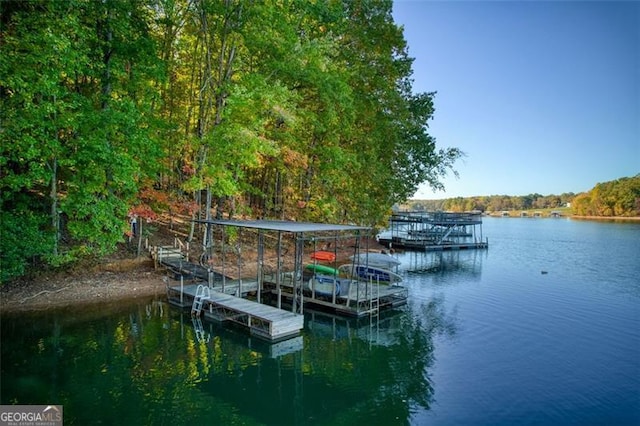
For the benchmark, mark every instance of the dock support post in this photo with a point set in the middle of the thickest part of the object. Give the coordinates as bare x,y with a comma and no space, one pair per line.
297,285
239,290
260,264
224,258
181,289
279,270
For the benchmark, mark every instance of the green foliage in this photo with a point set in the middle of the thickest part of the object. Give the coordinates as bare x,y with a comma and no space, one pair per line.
298,110
22,242
620,198
494,203
76,137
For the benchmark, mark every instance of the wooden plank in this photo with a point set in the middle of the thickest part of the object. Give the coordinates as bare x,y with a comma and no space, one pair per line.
252,308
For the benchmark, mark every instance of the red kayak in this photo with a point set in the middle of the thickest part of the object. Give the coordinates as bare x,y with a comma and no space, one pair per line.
325,256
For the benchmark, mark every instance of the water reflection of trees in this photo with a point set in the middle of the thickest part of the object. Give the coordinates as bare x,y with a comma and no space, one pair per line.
145,363
348,372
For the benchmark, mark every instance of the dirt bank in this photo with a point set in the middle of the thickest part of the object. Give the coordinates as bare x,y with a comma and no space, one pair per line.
119,280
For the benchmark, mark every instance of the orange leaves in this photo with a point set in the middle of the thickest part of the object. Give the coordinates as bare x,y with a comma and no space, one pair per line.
143,211
154,196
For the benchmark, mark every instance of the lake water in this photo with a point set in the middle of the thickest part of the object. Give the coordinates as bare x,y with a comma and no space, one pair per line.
541,328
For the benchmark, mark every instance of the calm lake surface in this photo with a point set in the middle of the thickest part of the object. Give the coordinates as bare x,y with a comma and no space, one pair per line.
541,328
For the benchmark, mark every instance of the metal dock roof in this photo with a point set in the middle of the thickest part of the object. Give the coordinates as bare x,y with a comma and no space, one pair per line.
285,225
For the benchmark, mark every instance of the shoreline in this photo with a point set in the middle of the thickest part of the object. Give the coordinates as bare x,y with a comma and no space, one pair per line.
575,217
113,282
120,280
608,218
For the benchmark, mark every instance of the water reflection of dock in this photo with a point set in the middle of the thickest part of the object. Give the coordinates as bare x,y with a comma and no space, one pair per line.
379,331
467,263
342,375
207,331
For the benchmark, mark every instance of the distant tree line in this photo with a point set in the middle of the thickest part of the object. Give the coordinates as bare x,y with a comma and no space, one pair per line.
620,197
492,203
116,109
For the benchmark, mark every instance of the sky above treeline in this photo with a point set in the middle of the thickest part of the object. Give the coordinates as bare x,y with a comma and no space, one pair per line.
543,97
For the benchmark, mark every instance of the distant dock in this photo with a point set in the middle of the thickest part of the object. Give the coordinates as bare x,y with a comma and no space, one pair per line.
434,231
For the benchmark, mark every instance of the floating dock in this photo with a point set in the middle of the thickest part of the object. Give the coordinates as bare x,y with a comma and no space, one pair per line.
261,320
223,298
434,231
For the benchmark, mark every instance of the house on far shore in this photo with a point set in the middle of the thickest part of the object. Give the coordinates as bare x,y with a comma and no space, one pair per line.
504,213
555,213
537,214
524,214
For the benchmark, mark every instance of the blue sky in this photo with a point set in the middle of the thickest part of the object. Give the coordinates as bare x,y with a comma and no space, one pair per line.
543,97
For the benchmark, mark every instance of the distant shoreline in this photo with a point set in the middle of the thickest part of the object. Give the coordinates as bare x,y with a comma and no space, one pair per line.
576,217
606,218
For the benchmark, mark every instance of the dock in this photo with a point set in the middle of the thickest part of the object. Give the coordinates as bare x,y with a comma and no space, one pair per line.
434,231
175,260
269,299
428,245
261,320
224,298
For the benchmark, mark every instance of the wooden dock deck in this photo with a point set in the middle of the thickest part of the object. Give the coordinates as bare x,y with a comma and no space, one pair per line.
262,320
182,267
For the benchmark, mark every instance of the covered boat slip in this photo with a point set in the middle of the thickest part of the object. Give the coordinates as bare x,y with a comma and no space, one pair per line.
358,300
267,260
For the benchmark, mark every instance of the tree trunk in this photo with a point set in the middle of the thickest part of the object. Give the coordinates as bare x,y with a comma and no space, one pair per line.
139,221
55,219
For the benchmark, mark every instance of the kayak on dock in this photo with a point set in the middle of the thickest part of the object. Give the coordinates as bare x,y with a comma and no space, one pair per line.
367,273
377,260
323,256
321,269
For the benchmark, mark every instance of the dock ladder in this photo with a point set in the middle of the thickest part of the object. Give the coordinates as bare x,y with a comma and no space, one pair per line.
374,312
203,293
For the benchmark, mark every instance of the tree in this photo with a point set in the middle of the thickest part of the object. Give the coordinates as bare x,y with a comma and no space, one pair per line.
613,198
301,110
75,139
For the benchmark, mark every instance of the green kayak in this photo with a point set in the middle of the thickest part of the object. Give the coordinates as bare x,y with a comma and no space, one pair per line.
321,269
